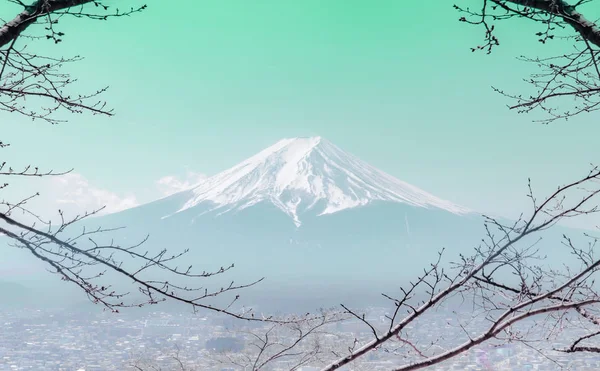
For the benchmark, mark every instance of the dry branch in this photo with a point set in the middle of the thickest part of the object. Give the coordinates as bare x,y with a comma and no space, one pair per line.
566,84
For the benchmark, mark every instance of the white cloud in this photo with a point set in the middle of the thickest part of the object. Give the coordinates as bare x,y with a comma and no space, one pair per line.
73,193
171,184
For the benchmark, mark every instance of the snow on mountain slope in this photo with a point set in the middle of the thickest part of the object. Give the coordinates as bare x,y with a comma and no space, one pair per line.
302,174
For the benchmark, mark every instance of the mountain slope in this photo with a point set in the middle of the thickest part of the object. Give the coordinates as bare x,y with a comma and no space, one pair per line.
306,174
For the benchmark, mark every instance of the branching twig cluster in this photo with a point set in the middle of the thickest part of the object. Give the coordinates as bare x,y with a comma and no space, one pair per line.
503,255
307,339
36,85
174,363
75,259
573,76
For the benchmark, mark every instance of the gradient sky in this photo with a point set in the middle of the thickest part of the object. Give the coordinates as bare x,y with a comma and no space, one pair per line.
200,86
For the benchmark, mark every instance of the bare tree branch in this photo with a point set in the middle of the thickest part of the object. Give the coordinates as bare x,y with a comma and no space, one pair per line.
574,293
33,85
42,8
572,77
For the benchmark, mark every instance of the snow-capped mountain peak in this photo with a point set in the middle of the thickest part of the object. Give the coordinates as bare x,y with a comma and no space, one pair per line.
302,174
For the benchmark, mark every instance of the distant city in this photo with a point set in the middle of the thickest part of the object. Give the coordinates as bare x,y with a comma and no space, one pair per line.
63,340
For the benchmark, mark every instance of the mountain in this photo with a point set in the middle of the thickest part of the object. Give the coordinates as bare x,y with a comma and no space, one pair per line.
303,212
320,224
302,175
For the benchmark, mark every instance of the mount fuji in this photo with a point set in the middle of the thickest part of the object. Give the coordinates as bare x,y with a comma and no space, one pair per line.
305,175
320,224
301,212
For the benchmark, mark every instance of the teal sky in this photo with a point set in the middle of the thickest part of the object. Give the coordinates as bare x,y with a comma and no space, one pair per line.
204,84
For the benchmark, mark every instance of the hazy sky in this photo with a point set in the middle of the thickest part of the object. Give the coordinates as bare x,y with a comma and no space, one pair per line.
200,86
